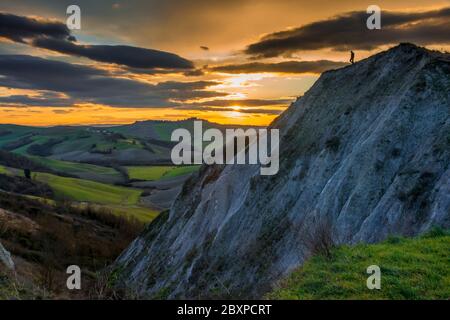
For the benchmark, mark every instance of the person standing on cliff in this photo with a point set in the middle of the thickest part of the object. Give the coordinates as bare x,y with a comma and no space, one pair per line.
352,57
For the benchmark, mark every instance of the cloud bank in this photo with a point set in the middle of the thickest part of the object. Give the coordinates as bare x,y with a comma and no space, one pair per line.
281,67
55,36
85,84
349,31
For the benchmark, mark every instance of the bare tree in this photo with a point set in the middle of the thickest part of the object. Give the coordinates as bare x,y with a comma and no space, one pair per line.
319,237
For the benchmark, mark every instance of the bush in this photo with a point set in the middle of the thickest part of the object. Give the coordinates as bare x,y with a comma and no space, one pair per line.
25,186
319,238
436,232
333,144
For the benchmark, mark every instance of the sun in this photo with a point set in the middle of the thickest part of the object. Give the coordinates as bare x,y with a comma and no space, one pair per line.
234,114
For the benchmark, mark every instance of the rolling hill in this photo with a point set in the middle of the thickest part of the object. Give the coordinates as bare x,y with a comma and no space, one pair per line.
141,143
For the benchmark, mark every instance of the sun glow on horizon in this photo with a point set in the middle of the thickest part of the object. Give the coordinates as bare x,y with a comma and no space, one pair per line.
94,115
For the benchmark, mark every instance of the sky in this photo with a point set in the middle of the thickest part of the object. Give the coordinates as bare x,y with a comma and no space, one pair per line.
232,62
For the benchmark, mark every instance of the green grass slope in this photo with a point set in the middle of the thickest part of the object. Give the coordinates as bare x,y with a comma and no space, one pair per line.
159,172
417,268
80,169
3,170
119,200
89,191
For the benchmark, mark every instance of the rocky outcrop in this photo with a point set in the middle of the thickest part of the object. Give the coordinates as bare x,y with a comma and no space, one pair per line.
364,154
5,259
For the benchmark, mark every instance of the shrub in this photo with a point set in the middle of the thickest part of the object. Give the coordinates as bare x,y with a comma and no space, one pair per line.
333,144
319,238
27,173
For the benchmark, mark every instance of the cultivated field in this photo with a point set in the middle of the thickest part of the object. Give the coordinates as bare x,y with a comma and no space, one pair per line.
153,173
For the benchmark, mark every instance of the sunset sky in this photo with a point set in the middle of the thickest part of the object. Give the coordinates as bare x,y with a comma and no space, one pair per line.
233,61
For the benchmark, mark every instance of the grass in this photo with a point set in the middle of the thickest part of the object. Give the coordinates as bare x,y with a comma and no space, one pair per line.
36,140
10,288
181,170
415,268
120,201
142,214
76,168
159,172
89,191
3,170
42,200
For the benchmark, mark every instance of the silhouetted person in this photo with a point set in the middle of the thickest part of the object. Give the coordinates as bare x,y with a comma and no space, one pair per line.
352,57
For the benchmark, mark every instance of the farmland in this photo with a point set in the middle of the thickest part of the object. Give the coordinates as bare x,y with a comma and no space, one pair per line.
125,169
89,191
82,170
153,173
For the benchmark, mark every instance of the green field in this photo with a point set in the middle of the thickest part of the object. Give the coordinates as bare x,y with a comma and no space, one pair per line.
140,213
410,269
120,200
89,191
77,168
159,172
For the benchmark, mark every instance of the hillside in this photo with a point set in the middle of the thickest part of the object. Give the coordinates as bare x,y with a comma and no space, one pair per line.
45,239
126,169
140,143
135,155
410,269
364,155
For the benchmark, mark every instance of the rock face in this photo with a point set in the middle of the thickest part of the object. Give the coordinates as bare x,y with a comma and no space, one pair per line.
5,258
364,154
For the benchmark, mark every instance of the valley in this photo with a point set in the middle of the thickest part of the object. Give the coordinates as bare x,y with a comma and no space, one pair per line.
125,169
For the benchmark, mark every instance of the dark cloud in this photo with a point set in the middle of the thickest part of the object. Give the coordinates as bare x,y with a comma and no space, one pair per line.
55,36
194,73
261,111
223,109
205,48
244,102
349,31
83,84
30,101
197,85
62,111
281,67
129,56
254,106
21,29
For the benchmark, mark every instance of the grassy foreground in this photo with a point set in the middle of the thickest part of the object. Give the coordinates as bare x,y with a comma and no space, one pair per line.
417,268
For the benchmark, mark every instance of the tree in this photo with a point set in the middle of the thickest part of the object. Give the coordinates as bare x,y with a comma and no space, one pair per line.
27,173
